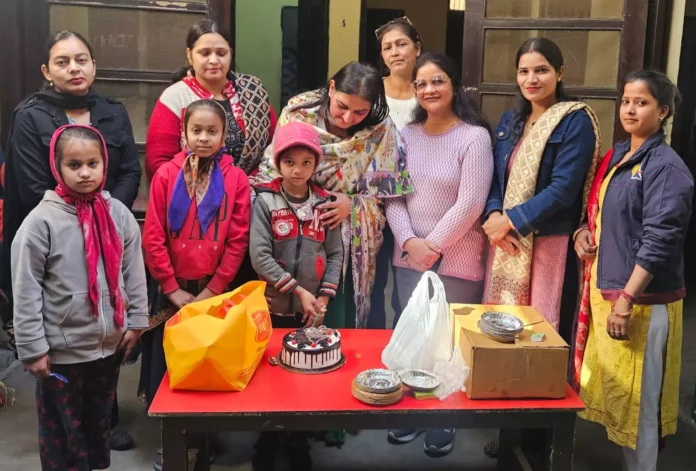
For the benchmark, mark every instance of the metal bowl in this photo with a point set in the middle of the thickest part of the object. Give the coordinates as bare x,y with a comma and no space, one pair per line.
419,380
504,337
378,381
488,328
502,322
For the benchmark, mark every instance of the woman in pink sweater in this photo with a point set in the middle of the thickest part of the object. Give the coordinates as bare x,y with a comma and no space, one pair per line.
438,227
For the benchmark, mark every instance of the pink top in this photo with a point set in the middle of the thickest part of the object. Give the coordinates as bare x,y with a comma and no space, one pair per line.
451,175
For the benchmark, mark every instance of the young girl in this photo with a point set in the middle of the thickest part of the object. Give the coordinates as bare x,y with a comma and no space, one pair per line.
196,229
298,257
80,301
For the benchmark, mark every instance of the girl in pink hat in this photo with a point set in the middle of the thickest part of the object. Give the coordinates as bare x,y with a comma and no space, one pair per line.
297,254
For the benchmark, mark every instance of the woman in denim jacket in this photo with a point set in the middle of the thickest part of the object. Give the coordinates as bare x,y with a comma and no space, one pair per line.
543,153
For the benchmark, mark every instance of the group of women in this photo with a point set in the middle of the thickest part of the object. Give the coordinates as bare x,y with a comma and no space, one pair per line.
521,214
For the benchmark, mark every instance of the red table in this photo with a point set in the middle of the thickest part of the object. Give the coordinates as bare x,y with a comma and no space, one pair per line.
279,400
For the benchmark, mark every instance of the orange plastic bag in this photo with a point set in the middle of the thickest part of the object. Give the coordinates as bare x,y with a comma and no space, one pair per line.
217,344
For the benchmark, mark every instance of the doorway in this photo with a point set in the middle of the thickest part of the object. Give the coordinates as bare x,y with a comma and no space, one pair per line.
374,19
684,129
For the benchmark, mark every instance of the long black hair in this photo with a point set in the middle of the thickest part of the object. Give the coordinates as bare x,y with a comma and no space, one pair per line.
462,105
661,88
55,39
194,34
552,53
407,28
357,79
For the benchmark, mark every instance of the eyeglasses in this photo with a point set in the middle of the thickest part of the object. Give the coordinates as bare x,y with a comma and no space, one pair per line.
436,82
403,20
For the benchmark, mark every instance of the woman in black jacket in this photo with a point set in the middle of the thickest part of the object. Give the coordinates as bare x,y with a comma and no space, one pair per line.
67,97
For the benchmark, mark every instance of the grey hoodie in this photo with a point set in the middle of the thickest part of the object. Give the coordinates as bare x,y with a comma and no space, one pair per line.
52,311
288,253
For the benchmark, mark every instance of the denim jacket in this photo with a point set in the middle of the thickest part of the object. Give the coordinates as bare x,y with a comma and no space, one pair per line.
645,218
557,202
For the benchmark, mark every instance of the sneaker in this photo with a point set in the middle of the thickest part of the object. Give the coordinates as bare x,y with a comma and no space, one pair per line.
157,464
264,451
491,450
297,452
439,442
263,461
400,436
120,440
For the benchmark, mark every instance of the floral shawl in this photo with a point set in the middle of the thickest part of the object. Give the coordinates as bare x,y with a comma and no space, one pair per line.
368,167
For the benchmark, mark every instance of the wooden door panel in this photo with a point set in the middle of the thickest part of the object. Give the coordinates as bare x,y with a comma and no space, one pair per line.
602,41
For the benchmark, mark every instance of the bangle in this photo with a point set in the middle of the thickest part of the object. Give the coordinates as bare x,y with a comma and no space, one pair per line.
576,233
627,296
623,315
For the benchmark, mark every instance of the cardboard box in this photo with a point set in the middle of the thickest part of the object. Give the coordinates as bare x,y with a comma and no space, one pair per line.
524,369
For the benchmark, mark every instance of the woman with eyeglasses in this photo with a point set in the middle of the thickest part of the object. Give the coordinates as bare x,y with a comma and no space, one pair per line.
437,227
400,47
546,151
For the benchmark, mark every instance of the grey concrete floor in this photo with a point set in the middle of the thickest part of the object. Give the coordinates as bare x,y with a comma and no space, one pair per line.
367,451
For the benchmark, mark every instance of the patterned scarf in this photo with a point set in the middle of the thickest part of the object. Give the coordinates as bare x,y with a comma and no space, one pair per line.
251,108
98,229
368,167
510,278
584,313
202,178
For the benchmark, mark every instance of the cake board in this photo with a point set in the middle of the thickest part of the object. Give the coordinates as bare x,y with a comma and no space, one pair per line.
276,361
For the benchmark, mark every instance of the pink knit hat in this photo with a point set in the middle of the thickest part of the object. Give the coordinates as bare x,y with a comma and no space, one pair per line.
296,134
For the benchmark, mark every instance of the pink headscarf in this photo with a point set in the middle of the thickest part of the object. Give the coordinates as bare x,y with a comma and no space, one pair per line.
98,229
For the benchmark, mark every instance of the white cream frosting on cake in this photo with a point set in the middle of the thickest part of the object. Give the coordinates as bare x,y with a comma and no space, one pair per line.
307,349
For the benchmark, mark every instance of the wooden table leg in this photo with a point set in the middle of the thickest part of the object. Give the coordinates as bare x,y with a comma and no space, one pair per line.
200,442
560,451
509,440
174,449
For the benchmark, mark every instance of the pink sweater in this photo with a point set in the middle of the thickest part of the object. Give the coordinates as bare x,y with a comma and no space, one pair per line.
451,175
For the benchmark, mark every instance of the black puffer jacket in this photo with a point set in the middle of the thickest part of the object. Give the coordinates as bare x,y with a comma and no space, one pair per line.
28,172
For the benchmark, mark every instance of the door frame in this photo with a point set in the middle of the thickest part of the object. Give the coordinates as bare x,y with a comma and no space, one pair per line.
26,23
633,27
312,44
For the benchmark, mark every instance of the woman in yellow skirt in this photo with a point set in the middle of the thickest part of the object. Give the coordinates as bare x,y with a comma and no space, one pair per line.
627,352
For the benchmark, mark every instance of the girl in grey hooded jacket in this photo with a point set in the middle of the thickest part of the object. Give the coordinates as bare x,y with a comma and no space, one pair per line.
80,301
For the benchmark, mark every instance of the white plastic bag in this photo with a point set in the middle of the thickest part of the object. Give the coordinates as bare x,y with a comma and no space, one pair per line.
452,375
423,338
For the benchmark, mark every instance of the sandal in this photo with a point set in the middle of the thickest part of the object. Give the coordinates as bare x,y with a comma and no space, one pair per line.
491,450
8,327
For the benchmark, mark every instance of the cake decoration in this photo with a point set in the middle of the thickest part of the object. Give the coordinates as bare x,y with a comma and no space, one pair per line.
311,349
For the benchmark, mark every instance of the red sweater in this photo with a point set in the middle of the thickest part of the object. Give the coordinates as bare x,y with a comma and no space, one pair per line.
165,132
188,254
